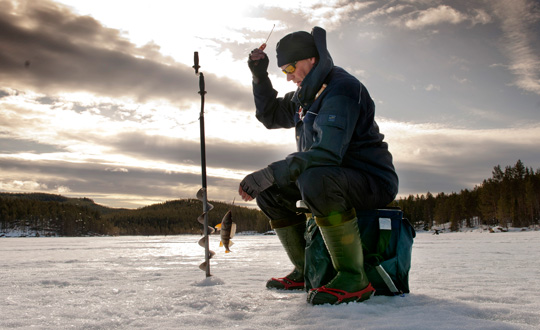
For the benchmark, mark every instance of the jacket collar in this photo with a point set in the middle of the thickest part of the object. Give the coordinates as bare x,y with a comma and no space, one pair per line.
312,83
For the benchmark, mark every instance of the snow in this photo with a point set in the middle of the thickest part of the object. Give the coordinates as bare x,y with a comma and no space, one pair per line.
473,280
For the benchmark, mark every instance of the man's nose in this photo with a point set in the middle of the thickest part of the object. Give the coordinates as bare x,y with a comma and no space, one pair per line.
290,76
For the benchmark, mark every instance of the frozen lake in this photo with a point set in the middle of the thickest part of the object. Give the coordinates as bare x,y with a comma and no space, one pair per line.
474,280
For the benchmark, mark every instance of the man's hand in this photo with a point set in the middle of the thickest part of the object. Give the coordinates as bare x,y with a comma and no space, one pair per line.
258,64
257,54
254,183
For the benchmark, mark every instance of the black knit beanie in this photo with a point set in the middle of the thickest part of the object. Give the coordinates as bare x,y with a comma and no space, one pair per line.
295,46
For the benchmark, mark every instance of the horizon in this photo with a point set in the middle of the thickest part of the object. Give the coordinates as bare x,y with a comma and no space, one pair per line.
250,205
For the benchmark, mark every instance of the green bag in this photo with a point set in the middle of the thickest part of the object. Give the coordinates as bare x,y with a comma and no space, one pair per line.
387,240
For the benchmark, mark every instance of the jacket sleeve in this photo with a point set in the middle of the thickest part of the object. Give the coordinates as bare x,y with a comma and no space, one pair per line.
333,129
273,111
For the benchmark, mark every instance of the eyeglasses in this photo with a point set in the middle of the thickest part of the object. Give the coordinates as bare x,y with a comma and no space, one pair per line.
290,68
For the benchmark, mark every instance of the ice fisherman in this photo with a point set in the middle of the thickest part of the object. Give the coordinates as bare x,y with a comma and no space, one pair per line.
342,163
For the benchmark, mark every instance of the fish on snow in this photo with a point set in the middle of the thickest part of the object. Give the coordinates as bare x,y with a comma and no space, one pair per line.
227,230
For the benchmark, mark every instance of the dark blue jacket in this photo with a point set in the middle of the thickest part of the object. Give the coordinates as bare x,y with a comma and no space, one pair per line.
337,128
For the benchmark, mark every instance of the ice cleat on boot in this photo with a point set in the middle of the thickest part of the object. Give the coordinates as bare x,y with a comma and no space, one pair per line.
324,295
289,282
342,239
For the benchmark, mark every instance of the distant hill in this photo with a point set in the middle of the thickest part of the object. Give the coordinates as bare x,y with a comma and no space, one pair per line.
180,217
49,214
44,197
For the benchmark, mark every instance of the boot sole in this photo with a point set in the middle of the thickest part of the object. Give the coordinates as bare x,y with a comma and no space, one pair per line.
284,283
324,295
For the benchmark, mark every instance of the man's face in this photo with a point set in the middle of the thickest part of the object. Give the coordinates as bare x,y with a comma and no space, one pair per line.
302,69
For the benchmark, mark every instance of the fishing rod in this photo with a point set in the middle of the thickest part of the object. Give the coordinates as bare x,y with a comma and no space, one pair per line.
202,193
263,46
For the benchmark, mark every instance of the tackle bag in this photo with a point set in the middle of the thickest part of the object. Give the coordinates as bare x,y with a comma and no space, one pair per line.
387,240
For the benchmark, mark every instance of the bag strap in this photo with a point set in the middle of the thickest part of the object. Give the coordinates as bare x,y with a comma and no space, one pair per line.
388,280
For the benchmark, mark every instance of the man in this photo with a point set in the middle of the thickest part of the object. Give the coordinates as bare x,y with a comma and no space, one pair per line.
342,163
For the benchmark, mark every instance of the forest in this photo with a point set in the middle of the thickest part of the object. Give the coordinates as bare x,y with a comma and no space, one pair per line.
51,215
511,198
55,215
180,217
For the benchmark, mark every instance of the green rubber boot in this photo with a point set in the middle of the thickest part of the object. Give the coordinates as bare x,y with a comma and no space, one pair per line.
292,239
342,239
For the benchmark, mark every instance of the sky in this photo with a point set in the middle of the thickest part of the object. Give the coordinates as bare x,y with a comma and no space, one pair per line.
99,99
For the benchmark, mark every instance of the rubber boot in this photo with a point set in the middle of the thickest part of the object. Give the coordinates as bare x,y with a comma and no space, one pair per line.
342,239
292,239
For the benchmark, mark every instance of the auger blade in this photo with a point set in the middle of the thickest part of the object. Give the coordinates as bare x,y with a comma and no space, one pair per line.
202,241
201,218
210,255
200,194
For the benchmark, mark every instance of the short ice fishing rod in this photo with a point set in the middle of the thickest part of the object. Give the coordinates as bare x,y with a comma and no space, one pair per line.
201,194
263,46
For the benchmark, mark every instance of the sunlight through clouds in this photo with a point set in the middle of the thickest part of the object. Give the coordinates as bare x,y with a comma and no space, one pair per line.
99,99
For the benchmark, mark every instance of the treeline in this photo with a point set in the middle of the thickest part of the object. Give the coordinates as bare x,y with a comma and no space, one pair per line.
48,215
510,198
55,215
180,217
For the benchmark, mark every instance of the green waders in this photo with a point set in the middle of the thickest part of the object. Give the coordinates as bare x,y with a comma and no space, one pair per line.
342,239
291,235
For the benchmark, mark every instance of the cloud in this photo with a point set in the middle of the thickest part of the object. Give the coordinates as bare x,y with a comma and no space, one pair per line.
18,185
419,15
480,16
117,169
428,157
385,10
140,155
441,158
135,188
220,153
332,15
62,128
460,80
46,47
519,21
435,16
87,110
432,87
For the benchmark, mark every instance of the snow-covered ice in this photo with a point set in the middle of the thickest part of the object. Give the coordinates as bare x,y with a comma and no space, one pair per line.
458,281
